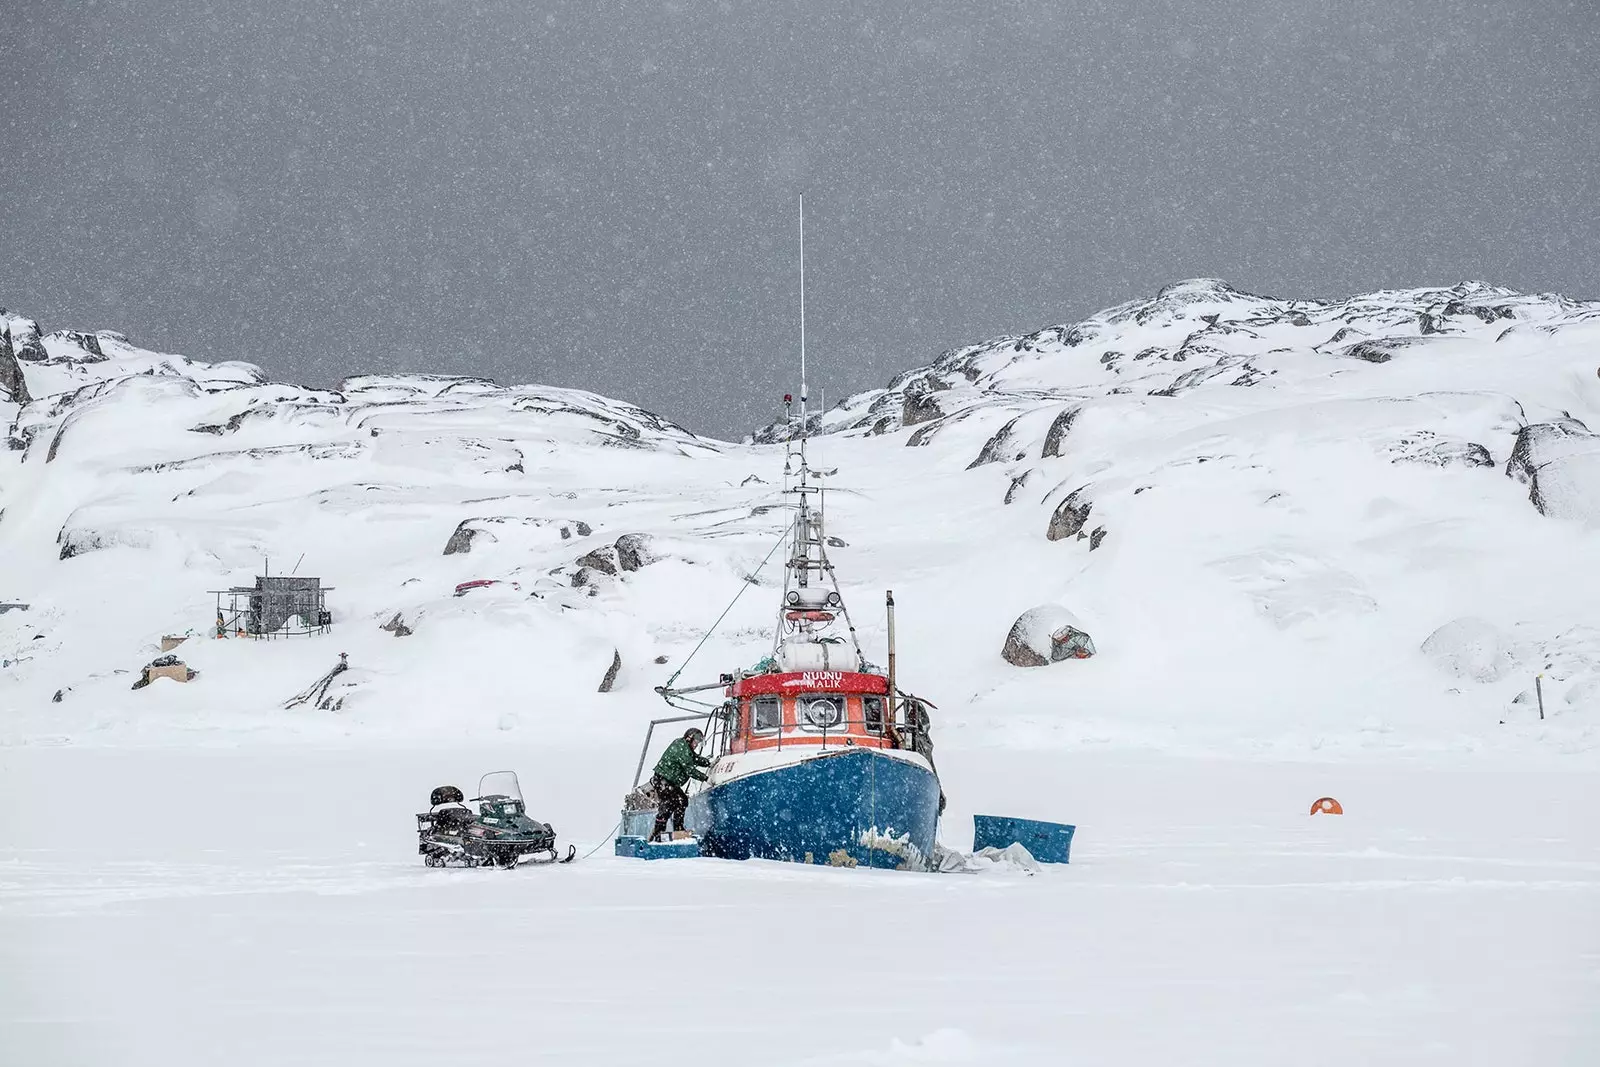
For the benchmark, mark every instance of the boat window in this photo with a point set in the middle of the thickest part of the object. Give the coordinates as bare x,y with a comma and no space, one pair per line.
766,713
872,711
820,711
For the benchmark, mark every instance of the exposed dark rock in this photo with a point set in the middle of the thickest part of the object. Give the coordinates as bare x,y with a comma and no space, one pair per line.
1425,446
55,442
1560,463
837,542
634,551
461,540
1069,516
611,672
26,344
469,530
919,409
1383,349
57,698
88,342
1058,432
1016,485
397,626
661,659
11,378
603,559
1096,537
997,447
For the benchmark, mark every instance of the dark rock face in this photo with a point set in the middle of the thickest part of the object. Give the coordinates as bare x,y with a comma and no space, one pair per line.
397,626
1058,432
461,540
1427,447
1096,537
611,672
919,409
11,379
997,447
603,560
469,530
1069,516
1016,485
88,342
1560,463
635,551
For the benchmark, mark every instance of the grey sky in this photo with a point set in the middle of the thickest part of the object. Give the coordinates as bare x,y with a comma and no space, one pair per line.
602,194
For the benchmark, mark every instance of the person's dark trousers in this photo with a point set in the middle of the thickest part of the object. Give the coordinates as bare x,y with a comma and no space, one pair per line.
672,804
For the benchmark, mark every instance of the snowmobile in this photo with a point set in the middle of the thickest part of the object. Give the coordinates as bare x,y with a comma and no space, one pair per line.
499,834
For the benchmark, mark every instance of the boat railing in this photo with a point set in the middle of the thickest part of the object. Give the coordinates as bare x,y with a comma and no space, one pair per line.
644,753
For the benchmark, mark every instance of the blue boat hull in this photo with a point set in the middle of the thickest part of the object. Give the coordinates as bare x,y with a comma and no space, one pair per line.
813,810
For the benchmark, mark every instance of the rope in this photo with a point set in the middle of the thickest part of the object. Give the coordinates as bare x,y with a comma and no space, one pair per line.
744,586
610,834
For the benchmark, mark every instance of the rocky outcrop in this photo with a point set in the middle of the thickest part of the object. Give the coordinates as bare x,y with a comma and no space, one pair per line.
998,447
1057,433
602,559
919,404
1560,463
397,626
635,551
11,378
1044,635
492,527
1017,484
611,672
1427,447
1070,515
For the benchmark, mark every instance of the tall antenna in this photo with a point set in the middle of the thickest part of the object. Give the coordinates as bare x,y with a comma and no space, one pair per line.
802,314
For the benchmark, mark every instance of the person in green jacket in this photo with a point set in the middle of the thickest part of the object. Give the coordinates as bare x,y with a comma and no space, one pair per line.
679,763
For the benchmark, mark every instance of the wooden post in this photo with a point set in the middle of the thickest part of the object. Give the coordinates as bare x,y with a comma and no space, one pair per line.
1538,687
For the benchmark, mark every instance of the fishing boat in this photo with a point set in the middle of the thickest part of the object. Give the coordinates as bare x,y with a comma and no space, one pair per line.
817,755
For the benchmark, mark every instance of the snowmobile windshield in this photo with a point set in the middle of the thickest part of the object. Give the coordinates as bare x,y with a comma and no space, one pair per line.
500,783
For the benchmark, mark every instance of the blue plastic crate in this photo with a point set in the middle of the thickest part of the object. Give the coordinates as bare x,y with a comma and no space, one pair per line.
641,849
1050,842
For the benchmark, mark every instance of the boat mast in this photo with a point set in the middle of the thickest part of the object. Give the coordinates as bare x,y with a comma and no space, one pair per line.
801,561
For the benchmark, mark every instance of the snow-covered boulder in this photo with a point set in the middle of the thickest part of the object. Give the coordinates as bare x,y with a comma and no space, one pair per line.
1044,635
1471,649
1560,463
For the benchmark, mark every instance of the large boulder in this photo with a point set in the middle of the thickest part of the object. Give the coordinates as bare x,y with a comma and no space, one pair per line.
1044,635
1070,516
1470,649
635,551
1560,463
11,379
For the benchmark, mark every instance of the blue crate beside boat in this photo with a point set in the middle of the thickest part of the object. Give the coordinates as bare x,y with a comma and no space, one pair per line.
1049,842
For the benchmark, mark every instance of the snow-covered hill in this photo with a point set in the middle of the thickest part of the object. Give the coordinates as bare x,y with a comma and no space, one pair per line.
1314,561
1290,525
